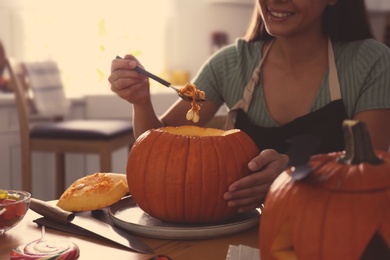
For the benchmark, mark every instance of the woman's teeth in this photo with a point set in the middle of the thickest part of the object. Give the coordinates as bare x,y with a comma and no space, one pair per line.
280,15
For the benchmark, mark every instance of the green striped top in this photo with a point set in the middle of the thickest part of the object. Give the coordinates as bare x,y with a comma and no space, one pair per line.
363,69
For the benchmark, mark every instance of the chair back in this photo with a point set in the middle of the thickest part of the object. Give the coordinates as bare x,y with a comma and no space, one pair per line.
38,90
2,59
44,80
22,99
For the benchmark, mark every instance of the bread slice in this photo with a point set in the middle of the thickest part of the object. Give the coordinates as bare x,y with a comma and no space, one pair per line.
94,191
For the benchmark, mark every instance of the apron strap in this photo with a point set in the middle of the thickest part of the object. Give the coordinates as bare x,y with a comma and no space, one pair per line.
244,102
246,99
250,87
334,85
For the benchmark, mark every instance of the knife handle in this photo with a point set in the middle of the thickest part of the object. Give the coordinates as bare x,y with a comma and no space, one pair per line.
52,212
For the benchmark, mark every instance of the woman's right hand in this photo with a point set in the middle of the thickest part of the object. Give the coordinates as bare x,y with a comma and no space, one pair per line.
128,83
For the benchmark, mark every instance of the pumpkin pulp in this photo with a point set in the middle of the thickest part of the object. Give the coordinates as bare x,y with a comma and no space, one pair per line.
197,131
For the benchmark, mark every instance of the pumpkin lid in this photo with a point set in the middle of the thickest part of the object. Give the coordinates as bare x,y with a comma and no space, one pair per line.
339,177
358,168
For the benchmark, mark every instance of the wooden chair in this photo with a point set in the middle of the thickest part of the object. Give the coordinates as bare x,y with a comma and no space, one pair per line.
101,137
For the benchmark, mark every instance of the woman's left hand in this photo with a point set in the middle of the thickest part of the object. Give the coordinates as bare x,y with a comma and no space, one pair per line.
249,192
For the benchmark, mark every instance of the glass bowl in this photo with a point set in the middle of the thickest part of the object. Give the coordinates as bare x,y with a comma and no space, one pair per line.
13,206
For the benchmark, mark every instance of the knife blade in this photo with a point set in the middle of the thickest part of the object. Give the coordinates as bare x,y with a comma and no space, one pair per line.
301,149
99,228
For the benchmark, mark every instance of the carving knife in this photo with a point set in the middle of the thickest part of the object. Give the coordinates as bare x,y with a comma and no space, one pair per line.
99,228
302,147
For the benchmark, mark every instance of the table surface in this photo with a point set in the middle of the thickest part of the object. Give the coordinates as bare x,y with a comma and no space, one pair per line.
93,248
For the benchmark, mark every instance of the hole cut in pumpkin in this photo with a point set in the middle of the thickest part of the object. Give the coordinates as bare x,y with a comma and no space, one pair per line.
377,249
197,131
282,246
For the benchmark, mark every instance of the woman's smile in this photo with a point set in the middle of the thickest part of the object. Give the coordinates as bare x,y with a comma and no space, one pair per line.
274,14
290,18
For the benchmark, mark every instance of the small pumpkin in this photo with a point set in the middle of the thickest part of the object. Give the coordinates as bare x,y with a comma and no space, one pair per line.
179,174
340,211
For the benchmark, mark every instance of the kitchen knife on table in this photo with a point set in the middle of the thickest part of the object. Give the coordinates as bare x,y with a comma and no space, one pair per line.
97,227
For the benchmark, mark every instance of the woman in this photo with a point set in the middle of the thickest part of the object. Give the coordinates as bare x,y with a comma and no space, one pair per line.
305,66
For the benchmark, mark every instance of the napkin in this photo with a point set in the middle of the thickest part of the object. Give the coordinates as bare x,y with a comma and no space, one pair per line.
238,252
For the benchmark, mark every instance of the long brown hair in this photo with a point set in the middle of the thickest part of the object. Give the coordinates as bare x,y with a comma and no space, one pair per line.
347,20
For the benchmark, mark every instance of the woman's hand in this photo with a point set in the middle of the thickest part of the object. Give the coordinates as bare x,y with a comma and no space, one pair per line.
249,192
128,83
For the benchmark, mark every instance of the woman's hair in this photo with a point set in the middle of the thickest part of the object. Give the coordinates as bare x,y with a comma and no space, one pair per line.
347,20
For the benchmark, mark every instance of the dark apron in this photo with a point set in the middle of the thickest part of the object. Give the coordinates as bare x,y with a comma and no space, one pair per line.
324,123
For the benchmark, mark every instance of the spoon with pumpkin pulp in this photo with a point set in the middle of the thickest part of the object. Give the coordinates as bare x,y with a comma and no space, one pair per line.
188,93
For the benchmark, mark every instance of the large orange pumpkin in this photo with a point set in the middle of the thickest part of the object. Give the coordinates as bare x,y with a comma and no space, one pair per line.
340,211
179,174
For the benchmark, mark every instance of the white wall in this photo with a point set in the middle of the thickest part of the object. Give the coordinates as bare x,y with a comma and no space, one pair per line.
192,22
191,25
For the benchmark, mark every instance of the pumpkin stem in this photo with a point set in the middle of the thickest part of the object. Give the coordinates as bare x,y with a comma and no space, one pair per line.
358,147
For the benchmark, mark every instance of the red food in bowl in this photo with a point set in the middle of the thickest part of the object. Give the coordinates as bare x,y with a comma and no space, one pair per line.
13,207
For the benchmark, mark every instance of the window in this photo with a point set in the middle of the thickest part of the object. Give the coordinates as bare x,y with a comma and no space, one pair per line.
83,36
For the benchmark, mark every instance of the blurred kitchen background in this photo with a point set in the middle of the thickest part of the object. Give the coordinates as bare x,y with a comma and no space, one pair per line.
171,38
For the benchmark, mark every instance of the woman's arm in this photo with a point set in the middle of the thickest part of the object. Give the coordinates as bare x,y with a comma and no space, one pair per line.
134,87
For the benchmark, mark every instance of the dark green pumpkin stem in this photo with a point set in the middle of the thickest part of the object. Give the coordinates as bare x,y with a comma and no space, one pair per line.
358,147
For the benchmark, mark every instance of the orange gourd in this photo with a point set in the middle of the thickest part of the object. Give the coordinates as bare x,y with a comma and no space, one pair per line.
340,211
179,174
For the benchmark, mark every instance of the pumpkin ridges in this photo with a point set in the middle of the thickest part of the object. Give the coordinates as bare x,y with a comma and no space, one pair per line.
385,227
246,151
220,192
185,174
225,165
134,158
280,186
247,145
174,165
152,176
243,150
346,222
310,208
213,181
337,211
173,181
302,197
366,211
193,181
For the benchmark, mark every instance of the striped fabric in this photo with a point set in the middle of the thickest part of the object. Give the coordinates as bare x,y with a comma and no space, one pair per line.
44,79
363,68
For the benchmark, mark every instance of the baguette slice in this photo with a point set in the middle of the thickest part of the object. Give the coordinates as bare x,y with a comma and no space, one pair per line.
94,191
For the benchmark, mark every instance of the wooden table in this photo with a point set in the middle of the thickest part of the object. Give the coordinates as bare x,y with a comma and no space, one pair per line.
91,248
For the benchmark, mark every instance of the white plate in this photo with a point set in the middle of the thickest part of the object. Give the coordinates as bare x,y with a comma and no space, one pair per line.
127,215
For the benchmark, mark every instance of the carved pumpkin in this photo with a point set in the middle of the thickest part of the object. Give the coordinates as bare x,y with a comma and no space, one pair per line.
340,211
179,174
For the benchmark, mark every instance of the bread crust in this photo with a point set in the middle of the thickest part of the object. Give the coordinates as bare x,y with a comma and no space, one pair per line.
94,191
